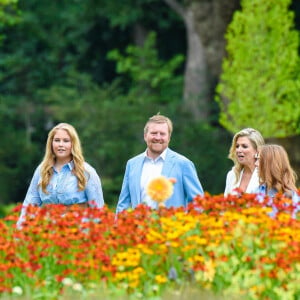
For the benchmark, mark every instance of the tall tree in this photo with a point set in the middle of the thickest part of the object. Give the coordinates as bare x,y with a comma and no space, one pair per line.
260,82
196,83
205,23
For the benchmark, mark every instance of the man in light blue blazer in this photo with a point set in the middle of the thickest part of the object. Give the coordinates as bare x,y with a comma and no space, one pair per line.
158,160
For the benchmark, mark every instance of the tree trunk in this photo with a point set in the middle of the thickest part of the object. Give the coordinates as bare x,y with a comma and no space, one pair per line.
206,22
211,19
196,84
140,34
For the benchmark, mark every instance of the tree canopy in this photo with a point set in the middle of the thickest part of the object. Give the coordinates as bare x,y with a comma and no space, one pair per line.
260,82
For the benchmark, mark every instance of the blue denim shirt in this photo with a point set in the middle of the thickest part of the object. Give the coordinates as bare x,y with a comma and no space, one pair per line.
262,192
63,189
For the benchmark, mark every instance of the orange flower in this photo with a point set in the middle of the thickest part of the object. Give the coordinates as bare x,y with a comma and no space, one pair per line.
160,188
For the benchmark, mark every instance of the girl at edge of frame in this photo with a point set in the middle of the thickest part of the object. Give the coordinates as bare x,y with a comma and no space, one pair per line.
63,176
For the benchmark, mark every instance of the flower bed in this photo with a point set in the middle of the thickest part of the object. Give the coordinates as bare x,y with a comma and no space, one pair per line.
229,246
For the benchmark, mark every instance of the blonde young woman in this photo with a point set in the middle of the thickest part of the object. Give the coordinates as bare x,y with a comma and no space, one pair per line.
243,176
63,177
275,172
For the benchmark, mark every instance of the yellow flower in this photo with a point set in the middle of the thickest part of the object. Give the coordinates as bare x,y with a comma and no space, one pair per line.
197,240
138,270
145,249
129,258
134,283
210,270
160,188
196,259
161,279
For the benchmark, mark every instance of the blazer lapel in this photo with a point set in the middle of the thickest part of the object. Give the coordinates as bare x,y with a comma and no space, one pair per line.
168,164
136,178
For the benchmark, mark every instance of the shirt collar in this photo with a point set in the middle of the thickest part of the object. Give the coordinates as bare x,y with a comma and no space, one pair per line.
162,155
69,165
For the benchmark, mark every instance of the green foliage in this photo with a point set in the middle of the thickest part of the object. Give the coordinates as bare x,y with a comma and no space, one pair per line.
260,83
127,13
8,10
123,13
207,147
52,43
9,15
149,73
5,210
17,152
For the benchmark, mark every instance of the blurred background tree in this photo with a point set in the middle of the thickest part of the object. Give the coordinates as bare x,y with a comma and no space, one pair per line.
106,67
8,12
261,72
260,81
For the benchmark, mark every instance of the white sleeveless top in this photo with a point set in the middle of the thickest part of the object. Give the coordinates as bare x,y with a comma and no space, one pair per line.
231,183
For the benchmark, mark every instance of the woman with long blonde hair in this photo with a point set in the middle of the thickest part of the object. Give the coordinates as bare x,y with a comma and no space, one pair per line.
243,176
63,177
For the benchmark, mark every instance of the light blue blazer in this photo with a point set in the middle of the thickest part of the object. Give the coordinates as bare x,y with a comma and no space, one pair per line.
176,166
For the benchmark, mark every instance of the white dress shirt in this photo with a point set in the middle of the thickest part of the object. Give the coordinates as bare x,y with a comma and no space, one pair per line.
152,168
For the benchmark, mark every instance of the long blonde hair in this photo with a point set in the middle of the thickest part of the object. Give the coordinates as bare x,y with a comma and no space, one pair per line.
49,157
275,170
256,140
